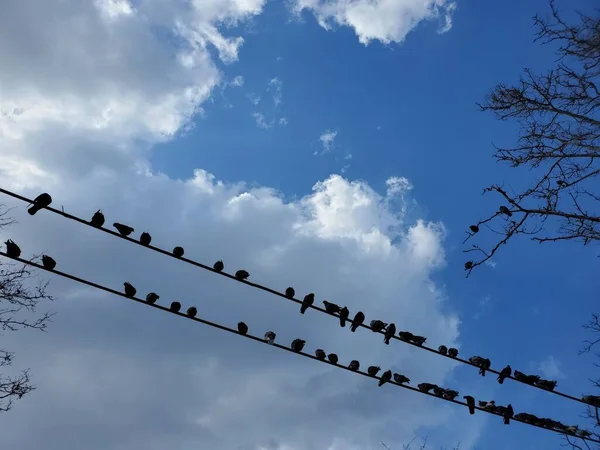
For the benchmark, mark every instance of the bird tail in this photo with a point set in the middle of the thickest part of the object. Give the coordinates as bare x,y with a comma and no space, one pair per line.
381,383
506,420
500,379
33,210
386,340
342,323
471,410
302,310
353,328
482,372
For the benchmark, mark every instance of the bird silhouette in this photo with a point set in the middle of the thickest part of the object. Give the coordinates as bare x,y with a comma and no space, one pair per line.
320,354
12,249
426,387
192,311
504,373
297,345
354,365
333,358
178,252
508,413
97,219
490,406
308,301
390,331
358,320
593,400
331,308
450,394
270,337
241,275
452,352
152,298
175,307
129,289
242,328
406,336
474,228
41,201
504,210
419,340
470,403
469,265
443,349
48,262
439,391
372,370
344,312
546,384
399,378
529,379
290,292
377,325
219,266
124,230
385,377
145,238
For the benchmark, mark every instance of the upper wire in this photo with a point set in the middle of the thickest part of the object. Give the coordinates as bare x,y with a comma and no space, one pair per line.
273,291
279,346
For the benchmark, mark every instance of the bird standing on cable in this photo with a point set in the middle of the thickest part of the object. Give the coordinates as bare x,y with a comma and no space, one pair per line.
470,403
419,340
48,262
219,266
358,320
354,365
290,292
41,201
406,336
545,384
175,307
442,349
178,252
242,328
439,391
474,229
508,413
331,308
333,358
452,352
399,378
593,400
320,354
308,301
297,345
377,325
450,394
504,210
97,219
390,331
241,275
192,311
344,313
270,337
129,289
12,249
145,238
124,230
504,373
385,377
426,387
372,370
152,298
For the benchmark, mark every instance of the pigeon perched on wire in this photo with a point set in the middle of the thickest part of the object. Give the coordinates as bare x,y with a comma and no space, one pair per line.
145,238
175,307
124,230
470,403
442,349
331,308
406,336
390,331
178,252
219,266
48,262
333,358
243,328
546,384
97,219
372,370
504,210
320,354
385,377
12,249
152,298
241,275
354,365
593,400
358,320
377,325
344,312
129,289
41,201
399,378
297,345
426,387
450,394
504,373
270,337
290,292
308,301
192,311
474,229
508,413
419,340
452,352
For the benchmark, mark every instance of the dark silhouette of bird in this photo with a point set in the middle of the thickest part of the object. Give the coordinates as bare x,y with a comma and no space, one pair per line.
406,336
152,298
426,387
241,275
354,365
308,301
178,252
390,331
12,249
584,433
593,400
320,354
344,313
489,406
290,292
399,378
474,228
48,262
145,238
333,358
470,403
419,340
242,328
129,289
443,349
175,307
439,391
219,266
372,370
453,352
546,384
270,337
529,379
482,363
358,320
41,201
504,210
192,311
331,308
450,394
124,230
508,413
97,219
377,326
468,265
385,377
506,372
297,345
482,404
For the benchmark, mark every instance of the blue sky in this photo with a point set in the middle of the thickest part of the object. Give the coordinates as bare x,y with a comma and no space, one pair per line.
401,109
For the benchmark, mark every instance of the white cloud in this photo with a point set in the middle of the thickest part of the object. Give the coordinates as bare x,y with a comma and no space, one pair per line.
283,121
384,20
327,139
261,121
550,368
238,81
275,86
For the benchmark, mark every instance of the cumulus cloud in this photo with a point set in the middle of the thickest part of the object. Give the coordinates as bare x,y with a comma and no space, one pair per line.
549,368
383,20
238,81
327,139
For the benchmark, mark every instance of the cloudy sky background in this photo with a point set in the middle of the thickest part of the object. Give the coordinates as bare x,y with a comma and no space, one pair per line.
332,146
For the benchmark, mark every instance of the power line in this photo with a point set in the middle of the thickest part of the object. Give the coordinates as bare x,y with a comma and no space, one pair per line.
274,292
279,346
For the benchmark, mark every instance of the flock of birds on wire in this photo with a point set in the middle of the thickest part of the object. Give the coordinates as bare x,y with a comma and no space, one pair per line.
387,329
